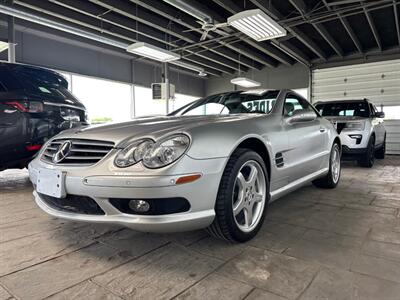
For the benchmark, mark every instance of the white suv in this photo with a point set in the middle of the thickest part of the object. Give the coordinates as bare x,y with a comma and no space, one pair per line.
360,126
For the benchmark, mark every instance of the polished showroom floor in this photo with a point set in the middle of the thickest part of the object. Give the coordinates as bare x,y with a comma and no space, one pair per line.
316,244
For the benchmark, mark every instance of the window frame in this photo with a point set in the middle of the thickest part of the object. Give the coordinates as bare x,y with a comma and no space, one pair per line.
299,98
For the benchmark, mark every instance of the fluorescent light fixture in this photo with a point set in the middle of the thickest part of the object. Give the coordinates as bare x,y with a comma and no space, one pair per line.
257,25
202,74
185,65
153,52
3,46
245,82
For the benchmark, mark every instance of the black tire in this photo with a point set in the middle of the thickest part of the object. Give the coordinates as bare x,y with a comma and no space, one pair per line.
224,225
380,153
368,159
328,182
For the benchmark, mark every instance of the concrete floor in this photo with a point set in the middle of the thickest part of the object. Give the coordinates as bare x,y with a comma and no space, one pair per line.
316,244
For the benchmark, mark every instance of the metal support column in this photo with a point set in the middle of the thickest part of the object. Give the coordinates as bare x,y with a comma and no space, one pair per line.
11,37
310,85
166,80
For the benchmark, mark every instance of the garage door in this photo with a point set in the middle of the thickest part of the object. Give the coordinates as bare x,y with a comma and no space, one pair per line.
379,82
392,136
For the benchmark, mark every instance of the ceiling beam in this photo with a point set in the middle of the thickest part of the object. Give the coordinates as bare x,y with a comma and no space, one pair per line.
396,19
248,57
298,56
92,24
351,33
273,12
357,58
329,39
303,10
320,17
138,30
231,7
373,28
291,50
124,8
347,27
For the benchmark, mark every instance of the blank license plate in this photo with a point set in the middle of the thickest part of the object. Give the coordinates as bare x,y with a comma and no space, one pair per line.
51,183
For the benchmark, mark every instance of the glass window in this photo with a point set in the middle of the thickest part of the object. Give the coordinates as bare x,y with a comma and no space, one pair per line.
231,103
38,82
145,105
68,78
294,103
352,109
105,101
180,101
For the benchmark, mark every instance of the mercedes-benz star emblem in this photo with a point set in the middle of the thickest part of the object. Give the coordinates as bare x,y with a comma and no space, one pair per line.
62,152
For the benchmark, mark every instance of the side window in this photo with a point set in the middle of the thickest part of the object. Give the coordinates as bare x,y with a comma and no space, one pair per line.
373,110
294,103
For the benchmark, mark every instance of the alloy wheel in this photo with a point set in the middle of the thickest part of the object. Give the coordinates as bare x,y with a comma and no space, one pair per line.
249,196
335,163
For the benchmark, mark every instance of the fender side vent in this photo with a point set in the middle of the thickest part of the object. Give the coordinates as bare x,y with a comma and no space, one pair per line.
279,160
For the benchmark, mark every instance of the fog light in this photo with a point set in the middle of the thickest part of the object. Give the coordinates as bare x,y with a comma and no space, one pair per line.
139,205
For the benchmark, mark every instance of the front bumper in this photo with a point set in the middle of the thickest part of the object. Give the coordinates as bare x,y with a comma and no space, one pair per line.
101,184
352,147
353,151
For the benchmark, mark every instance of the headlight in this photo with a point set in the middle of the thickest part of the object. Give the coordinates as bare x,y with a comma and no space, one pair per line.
153,155
166,151
354,126
132,154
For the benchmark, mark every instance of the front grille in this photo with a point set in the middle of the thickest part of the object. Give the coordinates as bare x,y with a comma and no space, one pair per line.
82,152
73,204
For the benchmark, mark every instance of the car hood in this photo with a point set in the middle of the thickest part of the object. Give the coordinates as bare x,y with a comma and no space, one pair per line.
149,127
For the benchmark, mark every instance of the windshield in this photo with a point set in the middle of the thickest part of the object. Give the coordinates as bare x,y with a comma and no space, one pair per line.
350,109
231,103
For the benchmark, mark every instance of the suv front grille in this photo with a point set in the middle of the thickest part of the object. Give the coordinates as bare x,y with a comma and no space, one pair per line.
80,152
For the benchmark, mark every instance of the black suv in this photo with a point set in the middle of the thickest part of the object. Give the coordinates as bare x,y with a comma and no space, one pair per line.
35,104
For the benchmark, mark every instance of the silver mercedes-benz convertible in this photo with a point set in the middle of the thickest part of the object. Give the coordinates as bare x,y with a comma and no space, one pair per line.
215,163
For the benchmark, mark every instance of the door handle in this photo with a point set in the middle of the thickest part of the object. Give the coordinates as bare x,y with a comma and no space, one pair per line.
322,129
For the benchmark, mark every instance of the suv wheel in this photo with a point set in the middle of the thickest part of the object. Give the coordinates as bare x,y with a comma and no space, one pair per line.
368,159
331,180
242,197
380,154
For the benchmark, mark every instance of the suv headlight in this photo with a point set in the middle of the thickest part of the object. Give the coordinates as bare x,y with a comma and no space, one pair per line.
354,126
153,155
166,151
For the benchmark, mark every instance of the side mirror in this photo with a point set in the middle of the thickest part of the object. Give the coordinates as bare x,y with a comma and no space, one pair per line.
301,115
379,114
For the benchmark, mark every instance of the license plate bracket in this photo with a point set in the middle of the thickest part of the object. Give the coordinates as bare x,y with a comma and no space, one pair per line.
51,183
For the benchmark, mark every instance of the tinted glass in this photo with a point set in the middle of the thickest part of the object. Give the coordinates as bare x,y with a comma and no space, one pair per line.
351,109
294,103
231,103
34,81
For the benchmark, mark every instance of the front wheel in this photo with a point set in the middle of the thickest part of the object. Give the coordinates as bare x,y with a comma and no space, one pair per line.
368,159
380,153
242,198
330,180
